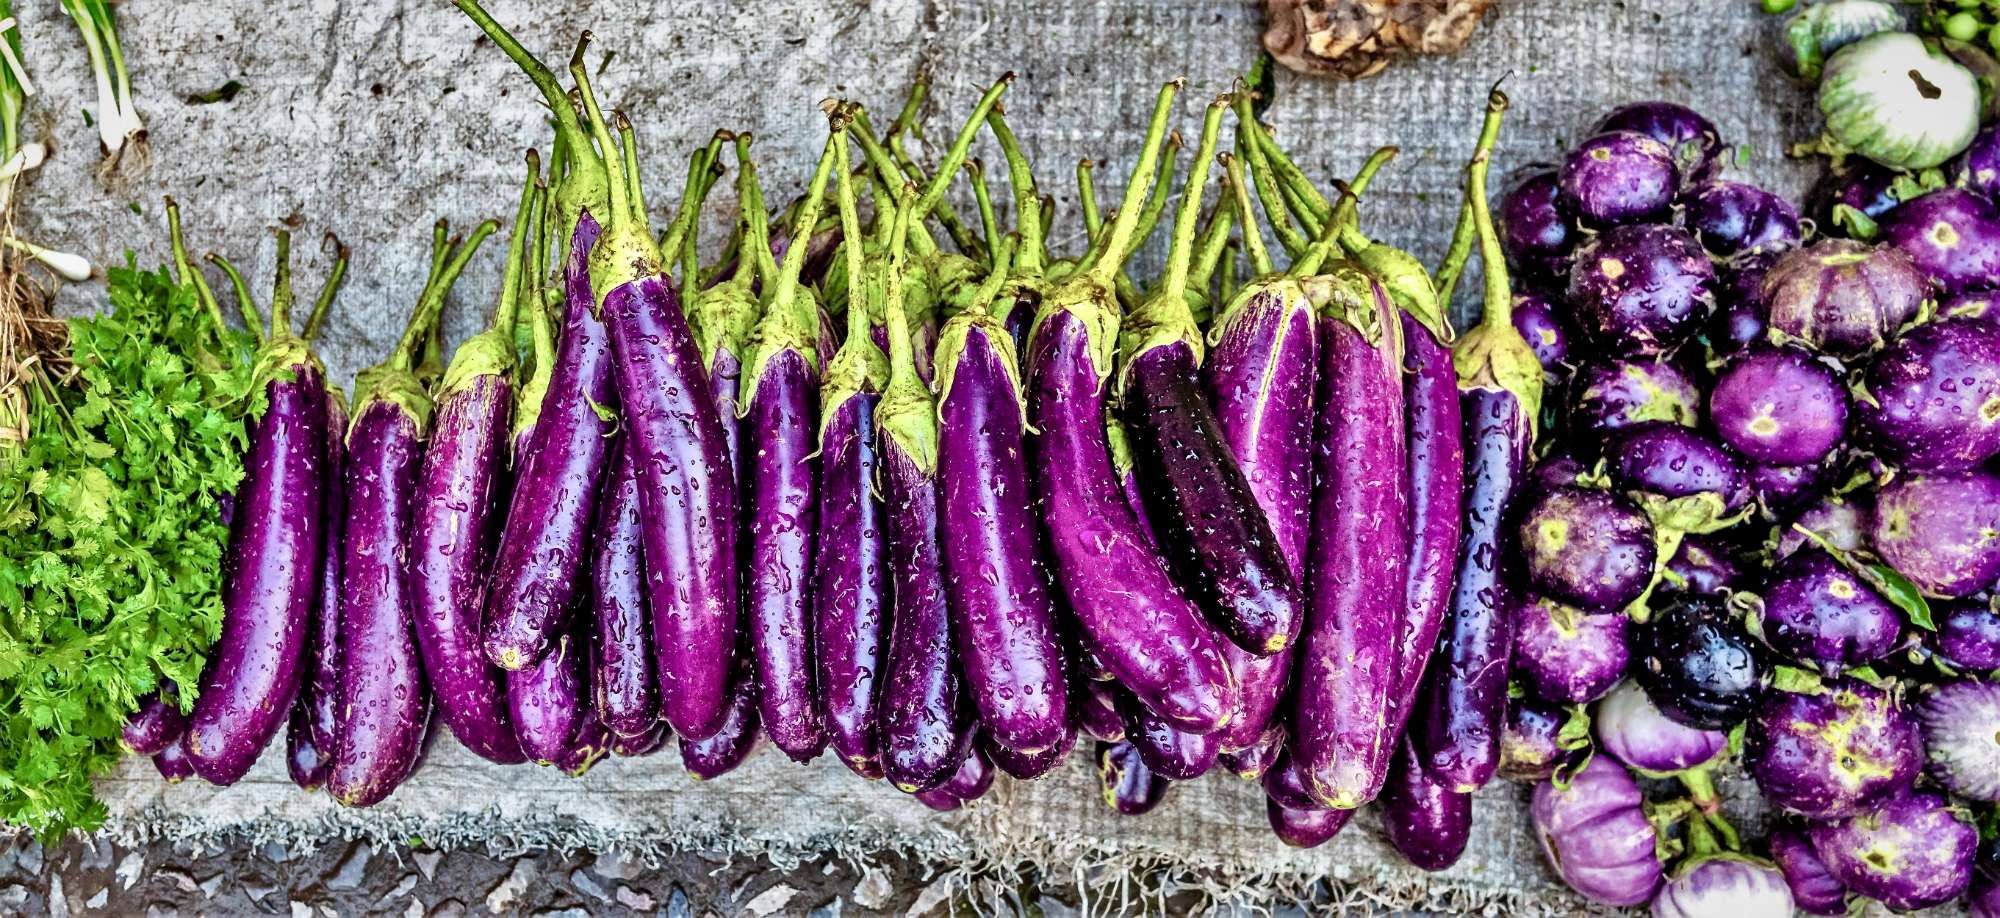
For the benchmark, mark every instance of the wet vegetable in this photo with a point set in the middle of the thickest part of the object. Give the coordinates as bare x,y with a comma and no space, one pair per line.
1534,233
1696,144
1565,655
1641,289
1780,406
1893,99
1842,297
1910,851
1594,831
1961,722
1830,752
1942,531
1933,396
1819,613
1952,234
1617,178
1586,547
1724,885
1815,890
1540,738
1632,730
1817,31
1615,394
1698,666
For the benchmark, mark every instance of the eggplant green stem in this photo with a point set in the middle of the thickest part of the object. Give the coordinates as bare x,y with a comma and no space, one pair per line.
324,303
1031,255
1103,267
188,275
1180,257
1246,214
674,240
245,306
988,293
1453,267
851,245
506,313
961,146
686,247
989,221
582,183
1260,174
902,353
440,250
1086,195
1499,297
629,144
947,217
887,177
786,296
755,261
431,302
1214,241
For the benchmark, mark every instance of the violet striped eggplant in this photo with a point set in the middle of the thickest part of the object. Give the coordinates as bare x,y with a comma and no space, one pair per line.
1460,718
271,569
780,400
687,488
626,695
310,738
1135,617
385,698
1222,546
457,520
850,595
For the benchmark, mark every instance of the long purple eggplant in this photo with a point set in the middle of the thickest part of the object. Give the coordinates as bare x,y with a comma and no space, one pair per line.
721,317
850,589
1250,764
157,724
1135,618
1421,816
309,740
687,487
1170,753
271,571
1462,711
1128,785
626,695
1221,543
1096,710
547,701
1436,454
457,520
385,699
780,402
172,763
1305,827
1024,766
731,745
1260,378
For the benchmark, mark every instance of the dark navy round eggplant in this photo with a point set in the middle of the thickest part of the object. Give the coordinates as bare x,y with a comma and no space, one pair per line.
1586,547
452,536
1423,818
627,698
1698,666
271,581
1696,144
850,594
155,725
1641,289
1779,406
1730,218
1618,177
384,694
1819,613
1933,396
1616,394
1129,786
539,563
780,510
920,707
311,736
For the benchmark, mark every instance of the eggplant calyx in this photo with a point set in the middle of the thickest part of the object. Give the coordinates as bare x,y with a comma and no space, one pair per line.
626,250
1409,286
791,320
1345,292
858,365
907,415
957,334
491,352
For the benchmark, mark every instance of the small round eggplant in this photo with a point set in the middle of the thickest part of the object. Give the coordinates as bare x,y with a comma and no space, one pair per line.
1968,637
1595,833
1780,489
1952,234
1615,394
1815,890
1731,218
1933,400
1535,234
1978,168
1586,547
1129,786
1696,144
1617,178
1539,321
1853,196
1829,754
1735,886
1668,461
1698,665
1942,531
1705,565
1641,289
1636,733
1779,406
1539,739
1962,737
1554,471
1844,521
1910,851
1842,297
1564,654
1819,613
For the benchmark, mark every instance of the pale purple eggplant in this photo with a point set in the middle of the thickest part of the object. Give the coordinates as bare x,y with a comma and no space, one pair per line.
1941,530
1833,751
1564,654
1596,835
1779,406
1961,737
1911,851
1841,297
1734,885
1815,890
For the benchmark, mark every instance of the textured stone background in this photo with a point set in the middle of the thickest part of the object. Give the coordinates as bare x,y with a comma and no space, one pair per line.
374,119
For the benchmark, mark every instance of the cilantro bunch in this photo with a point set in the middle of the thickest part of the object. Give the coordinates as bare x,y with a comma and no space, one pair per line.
112,536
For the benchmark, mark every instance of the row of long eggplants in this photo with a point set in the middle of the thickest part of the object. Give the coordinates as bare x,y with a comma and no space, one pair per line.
1016,500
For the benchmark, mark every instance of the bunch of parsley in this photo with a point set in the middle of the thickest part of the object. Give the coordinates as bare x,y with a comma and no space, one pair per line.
112,537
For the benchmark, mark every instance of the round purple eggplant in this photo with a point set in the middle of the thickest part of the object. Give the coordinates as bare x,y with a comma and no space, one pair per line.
1695,143
1780,489
1539,321
1942,531
1968,637
1565,655
1534,232
1704,565
1910,851
1779,406
1698,665
1952,234
1595,833
1729,885
1842,297
1852,197
1554,471
1844,521
1741,319
1828,754
1129,786
1305,827
1635,732
1617,178
1933,397
1819,613
1978,168
1641,289
1961,722
1423,818
1815,890
1671,462
1586,547
1731,218
1615,394
1540,738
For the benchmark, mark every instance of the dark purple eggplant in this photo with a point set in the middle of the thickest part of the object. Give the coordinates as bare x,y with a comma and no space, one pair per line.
1779,406
1172,754
1697,148
1459,719
1129,786
1423,818
173,764
639,744
1911,851
272,570
1305,827
1027,767
1968,637
1819,613
310,738
456,521
1618,177
1815,890
546,701
1952,234
1134,617
591,745
1587,547
157,724
621,663
1534,232
1732,218
1641,289
1564,654
1852,197
1096,710
1434,429
780,401
1941,530
1698,665
1932,398
1615,394
1541,322
1541,740
385,695
1252,762
730,746
1705,565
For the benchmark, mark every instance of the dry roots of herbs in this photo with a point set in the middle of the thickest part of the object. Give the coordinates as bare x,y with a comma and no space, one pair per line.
1357,38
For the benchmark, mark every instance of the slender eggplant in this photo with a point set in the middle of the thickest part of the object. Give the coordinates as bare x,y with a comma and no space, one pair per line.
732,745
272,567
1421,816
621,653
1251,764
1027,767
456,519
157,724
547,702
1463,709
849,588
1221,543
1135,618
638,744
1096,709
172,763
309,740
720,317
1305,827
385,698
1172,754
779,401
1128,785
